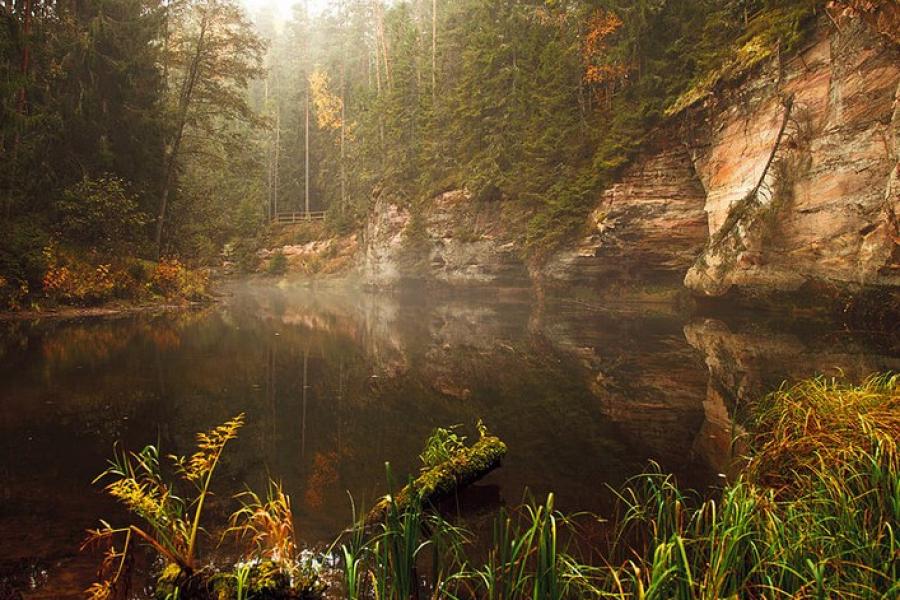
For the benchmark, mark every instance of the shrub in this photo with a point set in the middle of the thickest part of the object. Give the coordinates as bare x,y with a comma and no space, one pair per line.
73,280
278,264
244,253
22,261
12,294
99,213
173,280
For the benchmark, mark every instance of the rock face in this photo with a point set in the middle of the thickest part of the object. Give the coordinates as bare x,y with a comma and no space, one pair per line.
457,242
649,226
786,178
799,165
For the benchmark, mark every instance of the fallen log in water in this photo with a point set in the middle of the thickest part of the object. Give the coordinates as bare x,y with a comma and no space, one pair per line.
467,466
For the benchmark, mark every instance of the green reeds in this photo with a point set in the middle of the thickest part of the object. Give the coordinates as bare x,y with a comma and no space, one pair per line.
814,516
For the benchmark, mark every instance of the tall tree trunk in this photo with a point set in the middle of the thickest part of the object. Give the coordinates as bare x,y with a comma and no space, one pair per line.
275,170
433,51
377,53
343,130
381,39
306,203
184,104
26,57
270,171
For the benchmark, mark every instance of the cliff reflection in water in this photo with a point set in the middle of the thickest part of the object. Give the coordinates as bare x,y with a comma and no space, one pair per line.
335,384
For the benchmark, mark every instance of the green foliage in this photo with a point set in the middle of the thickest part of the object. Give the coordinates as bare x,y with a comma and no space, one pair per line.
514,115
87,113
464,465
277,264
813,516
730,46
441,445
100,213
22,259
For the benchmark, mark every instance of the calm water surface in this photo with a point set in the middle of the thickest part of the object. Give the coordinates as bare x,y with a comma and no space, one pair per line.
335,384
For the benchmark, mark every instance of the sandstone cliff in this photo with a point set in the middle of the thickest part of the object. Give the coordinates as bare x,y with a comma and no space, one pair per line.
458,241
786,178
799,165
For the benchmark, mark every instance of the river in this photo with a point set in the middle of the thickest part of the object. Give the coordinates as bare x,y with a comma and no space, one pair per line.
336,382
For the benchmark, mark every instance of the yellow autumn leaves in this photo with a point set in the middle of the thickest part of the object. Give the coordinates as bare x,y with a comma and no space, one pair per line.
329,106
209,448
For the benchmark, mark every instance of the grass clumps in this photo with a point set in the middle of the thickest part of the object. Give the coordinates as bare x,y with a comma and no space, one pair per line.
814,515
826,423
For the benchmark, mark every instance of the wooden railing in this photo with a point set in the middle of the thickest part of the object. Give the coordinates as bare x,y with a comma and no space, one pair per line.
287,218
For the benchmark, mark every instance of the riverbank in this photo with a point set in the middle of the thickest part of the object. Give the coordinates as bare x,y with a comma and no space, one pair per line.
82,285
811,515
114,310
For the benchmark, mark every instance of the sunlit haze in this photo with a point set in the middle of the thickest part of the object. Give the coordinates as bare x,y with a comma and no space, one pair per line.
284,8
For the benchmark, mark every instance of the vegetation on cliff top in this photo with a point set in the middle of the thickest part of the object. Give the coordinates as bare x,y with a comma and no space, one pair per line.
538,103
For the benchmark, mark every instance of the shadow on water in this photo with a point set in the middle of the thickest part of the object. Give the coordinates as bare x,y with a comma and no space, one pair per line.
335,384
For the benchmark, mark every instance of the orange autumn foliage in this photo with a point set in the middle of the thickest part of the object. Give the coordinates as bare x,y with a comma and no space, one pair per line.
599,70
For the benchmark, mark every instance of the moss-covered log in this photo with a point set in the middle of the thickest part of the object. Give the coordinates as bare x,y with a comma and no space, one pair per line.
467,466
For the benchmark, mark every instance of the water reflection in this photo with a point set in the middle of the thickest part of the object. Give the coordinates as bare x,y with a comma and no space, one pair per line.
334,384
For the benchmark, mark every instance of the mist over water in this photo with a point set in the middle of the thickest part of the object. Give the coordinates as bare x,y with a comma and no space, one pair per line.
337,382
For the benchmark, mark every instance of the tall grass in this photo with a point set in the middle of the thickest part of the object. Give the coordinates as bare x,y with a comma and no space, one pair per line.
814,515
171,523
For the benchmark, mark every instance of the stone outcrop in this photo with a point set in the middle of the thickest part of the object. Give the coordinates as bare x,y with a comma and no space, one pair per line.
456,242
650,226
799,164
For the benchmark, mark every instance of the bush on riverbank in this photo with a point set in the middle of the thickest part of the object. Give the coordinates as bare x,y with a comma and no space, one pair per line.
77,278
